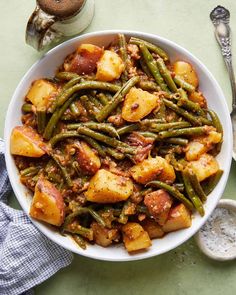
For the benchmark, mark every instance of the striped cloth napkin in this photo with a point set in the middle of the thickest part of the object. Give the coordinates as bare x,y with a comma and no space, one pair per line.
27,257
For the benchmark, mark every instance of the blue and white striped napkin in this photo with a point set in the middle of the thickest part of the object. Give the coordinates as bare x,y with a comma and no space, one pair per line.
27,257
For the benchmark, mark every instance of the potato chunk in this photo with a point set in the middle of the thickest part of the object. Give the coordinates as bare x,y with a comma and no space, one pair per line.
135,237
186,71
199,98
179,218
47,204
201,145
109,67
87,159
153,229
26,142
107,187
40,92
84,61
158,203
204,167
153,168
104,236
138,104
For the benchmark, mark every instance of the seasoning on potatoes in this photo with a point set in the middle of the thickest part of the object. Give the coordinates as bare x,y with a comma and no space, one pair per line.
186,71
135,237
107,187
47,204
153,168
25,141
138,104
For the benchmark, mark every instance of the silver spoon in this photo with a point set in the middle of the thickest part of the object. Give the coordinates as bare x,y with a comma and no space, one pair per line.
220,18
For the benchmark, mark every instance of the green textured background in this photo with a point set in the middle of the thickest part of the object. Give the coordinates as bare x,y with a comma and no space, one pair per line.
184,270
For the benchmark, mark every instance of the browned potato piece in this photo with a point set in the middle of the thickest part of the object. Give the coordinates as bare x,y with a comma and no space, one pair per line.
109,67
204,167
138,104
202,144
158,203
25,141
107,187
199,98
47,204
153,168
135,237
104,236
153,229
186,71
87,159
179,218
40,92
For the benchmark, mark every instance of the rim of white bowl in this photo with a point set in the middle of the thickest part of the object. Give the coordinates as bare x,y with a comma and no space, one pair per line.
223,203
139,34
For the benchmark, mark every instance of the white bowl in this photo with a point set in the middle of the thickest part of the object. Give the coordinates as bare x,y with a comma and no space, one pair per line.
46,67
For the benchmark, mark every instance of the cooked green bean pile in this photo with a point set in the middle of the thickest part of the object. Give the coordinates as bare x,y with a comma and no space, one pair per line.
119,145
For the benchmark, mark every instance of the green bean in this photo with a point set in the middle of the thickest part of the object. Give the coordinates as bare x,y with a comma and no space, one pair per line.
90,108
56,117
103,98
27,108
166,126
82,231
83,86
171,149
41,120
79,241
173,191
176,140
196,185
95,101
114,153
123,218
183,84
83,210
94,144
106,139
215,121
30,171
192,194
149,122
161,113
103,127
191,118
124,55
67,86
127,129
151,47
179,186
146,70
64,135
74,109
149,86
166,74
118,97
148,134
63,170
188,104
192,131
66,75
212,182
151,64
142,209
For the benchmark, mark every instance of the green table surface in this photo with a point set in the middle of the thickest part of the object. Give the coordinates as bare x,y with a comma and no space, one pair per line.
184,270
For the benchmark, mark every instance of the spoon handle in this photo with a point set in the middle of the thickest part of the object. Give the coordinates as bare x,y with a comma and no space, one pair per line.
220,17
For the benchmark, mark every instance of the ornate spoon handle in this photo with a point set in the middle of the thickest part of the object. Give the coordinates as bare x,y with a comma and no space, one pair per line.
220,17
